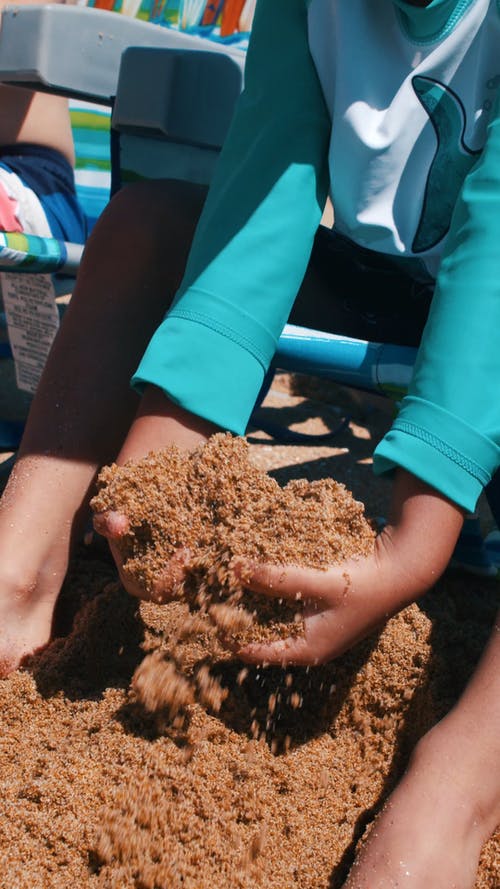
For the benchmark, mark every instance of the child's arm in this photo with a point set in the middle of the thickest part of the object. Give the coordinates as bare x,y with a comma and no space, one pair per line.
447,435
204,366
448,429
255,235
157,424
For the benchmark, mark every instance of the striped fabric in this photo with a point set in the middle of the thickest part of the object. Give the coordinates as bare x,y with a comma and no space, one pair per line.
91,127
29,253
225,21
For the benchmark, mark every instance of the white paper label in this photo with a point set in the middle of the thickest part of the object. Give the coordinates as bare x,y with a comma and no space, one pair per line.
32,323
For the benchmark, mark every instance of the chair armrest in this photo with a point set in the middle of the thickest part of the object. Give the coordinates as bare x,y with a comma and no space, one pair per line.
76,51
172,112
193,98
32,254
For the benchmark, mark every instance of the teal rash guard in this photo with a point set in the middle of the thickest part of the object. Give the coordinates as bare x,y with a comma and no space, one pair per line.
286,148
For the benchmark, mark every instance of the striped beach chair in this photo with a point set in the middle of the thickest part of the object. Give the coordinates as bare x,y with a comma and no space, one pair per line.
53,262
91,134
218,21
90,126
39,269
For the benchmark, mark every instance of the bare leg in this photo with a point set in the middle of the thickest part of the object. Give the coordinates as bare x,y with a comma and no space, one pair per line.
447,805
84,405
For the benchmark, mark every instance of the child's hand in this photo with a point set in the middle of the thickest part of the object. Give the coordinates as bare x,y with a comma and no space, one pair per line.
346,602
341,605
158,424
113,526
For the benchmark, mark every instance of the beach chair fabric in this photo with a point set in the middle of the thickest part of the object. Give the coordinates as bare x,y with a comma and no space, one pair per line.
90,125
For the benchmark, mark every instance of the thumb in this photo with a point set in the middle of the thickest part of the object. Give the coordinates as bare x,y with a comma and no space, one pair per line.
168,583
112,525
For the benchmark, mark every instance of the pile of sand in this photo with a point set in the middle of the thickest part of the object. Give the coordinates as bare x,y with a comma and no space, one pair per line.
214,504
229,777
94,792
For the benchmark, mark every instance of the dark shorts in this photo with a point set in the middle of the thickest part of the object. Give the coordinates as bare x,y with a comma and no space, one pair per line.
50,176
356,292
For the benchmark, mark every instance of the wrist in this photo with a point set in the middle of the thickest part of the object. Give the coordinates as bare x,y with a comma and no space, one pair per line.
160,423
423,530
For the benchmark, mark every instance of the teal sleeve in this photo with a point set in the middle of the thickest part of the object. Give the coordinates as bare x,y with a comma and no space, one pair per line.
255,235
448,430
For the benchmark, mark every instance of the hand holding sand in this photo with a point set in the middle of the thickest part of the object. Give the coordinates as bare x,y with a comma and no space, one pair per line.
341,606
177,522
115,526
346,602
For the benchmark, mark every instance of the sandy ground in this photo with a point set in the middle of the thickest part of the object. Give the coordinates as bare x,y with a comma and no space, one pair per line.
96,793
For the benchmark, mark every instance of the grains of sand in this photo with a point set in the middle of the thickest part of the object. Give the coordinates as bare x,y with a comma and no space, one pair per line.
94,794
213,505
271,786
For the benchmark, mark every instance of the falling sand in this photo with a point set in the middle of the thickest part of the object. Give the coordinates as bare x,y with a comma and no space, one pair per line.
215,774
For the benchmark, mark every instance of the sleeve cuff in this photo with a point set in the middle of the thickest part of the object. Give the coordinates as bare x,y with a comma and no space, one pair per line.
459,461
211,372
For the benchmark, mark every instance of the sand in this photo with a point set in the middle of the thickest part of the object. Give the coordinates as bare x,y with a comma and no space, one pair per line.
215,506
251,778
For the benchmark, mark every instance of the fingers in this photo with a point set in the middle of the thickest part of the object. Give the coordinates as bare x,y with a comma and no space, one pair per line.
112,525
292,583
173,574
115,525
295,651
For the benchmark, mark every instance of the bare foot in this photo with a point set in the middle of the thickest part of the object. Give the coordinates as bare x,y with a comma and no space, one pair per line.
432,828
32,570
36,526
26,615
